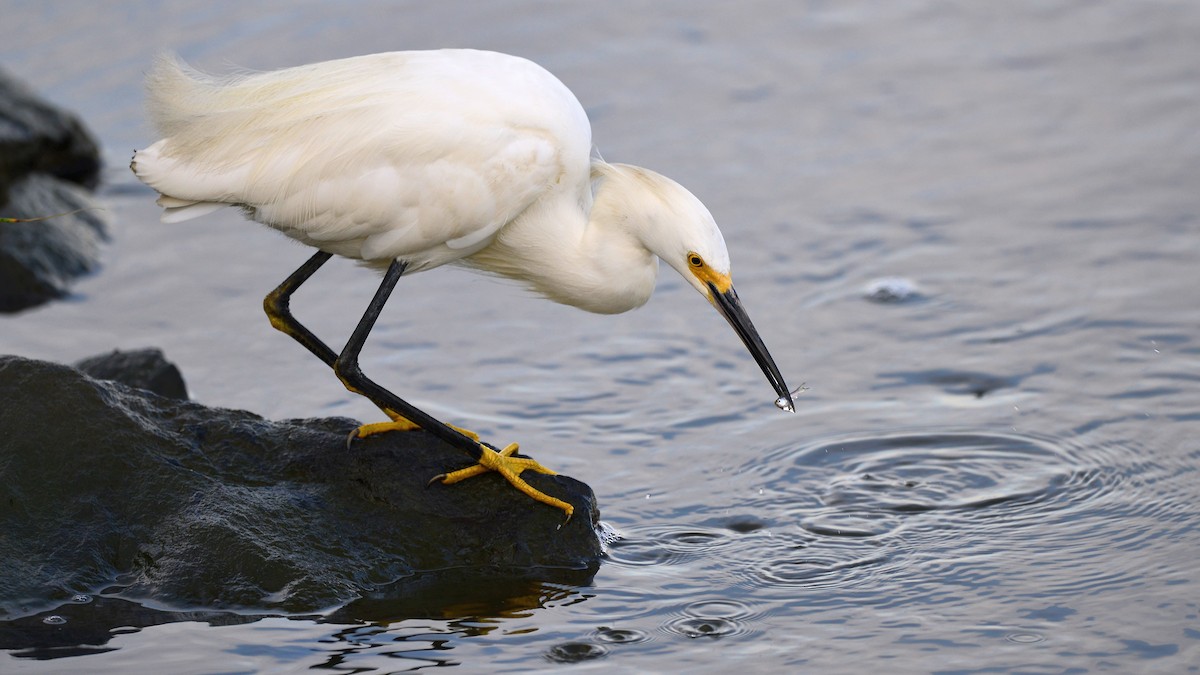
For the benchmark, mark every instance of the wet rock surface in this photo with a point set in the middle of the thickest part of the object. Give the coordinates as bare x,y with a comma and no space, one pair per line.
48,164
110,489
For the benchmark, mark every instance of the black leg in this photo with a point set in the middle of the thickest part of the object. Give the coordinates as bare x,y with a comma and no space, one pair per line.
278,311
346,367
276,306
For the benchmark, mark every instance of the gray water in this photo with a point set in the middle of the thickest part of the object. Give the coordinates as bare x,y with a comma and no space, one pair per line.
995,473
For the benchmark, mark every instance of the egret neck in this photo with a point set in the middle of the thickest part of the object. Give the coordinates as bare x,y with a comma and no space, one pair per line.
603,257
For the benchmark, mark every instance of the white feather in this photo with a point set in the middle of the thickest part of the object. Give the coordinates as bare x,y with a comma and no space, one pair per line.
433,157
451,156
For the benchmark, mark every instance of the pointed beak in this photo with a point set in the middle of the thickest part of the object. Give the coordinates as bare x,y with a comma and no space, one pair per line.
731,308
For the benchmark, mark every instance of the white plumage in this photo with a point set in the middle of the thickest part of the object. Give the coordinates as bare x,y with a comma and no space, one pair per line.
427,158
414,154
431,157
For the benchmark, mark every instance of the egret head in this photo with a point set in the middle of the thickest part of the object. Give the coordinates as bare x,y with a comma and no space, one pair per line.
675,226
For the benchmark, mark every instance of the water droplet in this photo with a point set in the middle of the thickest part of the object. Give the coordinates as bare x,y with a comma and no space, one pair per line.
782,401
81,598
54,620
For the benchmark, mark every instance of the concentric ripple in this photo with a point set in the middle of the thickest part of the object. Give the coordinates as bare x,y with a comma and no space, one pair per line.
713,618
620,636
705,627
855,512
868,487
666,545
914,473
820,566
575,652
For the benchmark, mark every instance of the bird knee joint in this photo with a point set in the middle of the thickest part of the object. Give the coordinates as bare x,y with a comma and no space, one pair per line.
276,307
347,371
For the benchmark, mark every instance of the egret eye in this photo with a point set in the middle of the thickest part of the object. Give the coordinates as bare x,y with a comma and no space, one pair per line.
696,261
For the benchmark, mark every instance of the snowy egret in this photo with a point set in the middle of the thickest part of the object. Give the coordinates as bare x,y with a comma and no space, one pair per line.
411,160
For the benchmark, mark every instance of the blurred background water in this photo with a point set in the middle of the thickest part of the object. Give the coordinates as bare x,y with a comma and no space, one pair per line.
992,468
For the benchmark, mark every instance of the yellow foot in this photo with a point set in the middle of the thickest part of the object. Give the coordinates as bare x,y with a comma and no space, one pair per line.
501,462
399,423
510,467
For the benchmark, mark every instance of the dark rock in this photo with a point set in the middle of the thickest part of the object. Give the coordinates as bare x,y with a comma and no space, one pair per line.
107,487
37,137
46,161
39,260
143,368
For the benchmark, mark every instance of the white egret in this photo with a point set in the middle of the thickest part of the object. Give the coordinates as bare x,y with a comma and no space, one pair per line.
411,160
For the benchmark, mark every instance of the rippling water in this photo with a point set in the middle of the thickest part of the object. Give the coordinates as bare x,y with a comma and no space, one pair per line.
971,229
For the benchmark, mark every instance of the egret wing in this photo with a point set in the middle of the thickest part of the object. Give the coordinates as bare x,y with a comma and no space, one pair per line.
416,155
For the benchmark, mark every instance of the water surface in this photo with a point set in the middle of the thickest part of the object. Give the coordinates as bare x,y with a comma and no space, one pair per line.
992,471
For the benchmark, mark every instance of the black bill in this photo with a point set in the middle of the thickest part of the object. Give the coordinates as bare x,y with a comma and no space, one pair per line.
731,308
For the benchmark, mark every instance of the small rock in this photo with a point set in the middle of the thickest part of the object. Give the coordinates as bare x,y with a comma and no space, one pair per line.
48,162
38,137
143,368
40,259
